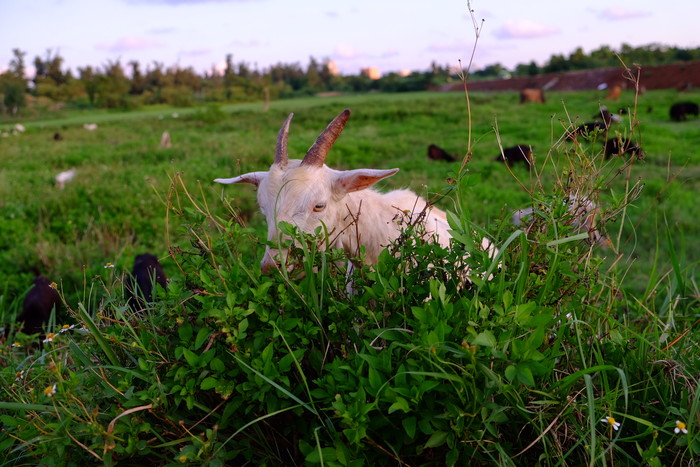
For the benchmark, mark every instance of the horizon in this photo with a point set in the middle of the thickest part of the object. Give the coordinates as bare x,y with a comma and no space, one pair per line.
261,34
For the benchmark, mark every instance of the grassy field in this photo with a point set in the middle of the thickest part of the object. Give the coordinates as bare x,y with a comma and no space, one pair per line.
481,374
114,208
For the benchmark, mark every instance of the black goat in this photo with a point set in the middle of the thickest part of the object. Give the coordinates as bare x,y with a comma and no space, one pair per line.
587,130
146,272
618,147
518,153
38,304
680,110
436,153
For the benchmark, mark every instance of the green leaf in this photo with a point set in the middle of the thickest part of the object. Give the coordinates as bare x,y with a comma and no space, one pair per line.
191,357
436,439
209,383
217,365
185,332
400,404
486,338
201,338
409,424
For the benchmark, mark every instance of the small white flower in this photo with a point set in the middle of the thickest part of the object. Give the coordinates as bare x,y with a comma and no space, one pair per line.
611,421
109,265
66,328
49,338
16,344
50,390
19,375
680,427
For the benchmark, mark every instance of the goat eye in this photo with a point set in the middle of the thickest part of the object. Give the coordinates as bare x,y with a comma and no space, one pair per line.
319,207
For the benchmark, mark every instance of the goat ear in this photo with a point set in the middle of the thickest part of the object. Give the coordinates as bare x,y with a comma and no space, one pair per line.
253,177
359,179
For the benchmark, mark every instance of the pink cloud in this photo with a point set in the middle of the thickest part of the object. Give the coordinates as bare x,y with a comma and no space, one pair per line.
525,29
619,13
127,44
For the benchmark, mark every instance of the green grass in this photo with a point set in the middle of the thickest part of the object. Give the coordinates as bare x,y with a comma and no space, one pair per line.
232,366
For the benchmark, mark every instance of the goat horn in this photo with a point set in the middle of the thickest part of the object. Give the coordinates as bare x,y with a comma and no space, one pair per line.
281,156
316,155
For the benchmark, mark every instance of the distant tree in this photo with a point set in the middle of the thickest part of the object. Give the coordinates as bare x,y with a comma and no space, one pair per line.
89,77
13,84
530,69
557,64
17,68
138,80
578,60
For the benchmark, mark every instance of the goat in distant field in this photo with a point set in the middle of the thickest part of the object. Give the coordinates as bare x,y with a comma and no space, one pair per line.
38,304
518,153
581,215
618,147
65,177
532,95
680,110
308,194
436,153
146,272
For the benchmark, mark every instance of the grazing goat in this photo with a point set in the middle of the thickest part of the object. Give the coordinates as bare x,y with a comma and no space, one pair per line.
581,214
586,130
532,95
518,153
308,194
65,177
618,147
165,142
608,117
57,136
436,153
614,93
38,304
680,110
146,272
90,126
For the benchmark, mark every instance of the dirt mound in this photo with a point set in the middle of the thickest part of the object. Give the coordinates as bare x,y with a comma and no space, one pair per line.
677,75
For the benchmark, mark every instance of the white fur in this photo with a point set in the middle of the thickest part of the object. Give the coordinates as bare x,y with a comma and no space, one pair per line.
354,214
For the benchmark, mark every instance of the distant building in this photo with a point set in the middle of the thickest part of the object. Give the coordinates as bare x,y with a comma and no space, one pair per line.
371,72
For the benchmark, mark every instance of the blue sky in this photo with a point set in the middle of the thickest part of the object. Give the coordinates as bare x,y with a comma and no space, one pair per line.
392,35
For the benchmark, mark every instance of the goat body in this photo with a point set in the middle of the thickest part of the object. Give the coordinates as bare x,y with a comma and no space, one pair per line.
37,306
308,194
436,153
518,153
146,271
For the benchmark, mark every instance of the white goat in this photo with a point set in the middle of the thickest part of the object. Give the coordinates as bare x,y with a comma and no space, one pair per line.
307,193
580,209
65,177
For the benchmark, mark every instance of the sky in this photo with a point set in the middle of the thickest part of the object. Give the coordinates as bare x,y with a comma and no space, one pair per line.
391,35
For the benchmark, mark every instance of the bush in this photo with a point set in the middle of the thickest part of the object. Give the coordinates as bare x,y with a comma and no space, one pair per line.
231,367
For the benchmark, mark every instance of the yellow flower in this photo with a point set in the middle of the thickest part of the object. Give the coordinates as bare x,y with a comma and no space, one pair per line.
50,390
182,459
680,427
49,338
611,421
53,285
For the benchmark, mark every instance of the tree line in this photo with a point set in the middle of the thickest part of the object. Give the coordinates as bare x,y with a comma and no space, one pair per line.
130,85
